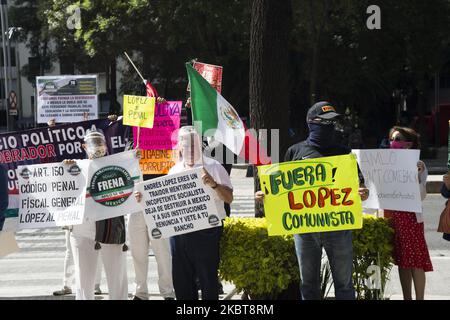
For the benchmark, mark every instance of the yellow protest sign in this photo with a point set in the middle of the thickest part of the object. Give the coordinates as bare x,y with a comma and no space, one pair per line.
138,111
313,195
157,161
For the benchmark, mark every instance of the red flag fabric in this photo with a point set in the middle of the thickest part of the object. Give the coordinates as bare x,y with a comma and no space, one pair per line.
151,91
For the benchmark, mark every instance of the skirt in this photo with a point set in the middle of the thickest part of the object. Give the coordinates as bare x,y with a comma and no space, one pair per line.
410,247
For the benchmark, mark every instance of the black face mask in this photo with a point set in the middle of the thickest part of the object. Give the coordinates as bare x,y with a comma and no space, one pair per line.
320,135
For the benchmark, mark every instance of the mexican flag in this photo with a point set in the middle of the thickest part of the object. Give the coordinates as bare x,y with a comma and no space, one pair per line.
150,90
221,121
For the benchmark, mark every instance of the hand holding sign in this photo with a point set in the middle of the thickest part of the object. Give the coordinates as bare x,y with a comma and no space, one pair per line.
208,180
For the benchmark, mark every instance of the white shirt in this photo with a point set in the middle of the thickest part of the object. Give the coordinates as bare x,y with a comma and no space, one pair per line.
219,174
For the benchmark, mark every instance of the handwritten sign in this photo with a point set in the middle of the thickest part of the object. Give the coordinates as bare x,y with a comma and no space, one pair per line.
178,204
157,161
392,178
52,195
314,195
164,134
138,111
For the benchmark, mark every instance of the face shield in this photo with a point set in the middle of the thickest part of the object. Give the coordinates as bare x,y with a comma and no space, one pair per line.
95,144
190,146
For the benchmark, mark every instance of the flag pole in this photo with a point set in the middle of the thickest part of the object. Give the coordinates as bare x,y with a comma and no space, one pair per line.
134,66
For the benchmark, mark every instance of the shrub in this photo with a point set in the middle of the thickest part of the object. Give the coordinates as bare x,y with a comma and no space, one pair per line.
264,266
372,245
260,265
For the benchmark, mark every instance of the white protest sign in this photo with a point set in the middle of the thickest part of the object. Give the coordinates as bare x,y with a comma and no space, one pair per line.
52,194
111,185
8,243
177,204
67,98
392,178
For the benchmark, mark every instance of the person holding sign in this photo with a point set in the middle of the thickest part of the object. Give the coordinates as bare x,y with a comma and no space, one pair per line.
321,120
4,199
196,254
410,248
445,191
86,239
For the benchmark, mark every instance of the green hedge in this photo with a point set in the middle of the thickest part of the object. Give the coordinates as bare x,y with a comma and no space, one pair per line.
265,266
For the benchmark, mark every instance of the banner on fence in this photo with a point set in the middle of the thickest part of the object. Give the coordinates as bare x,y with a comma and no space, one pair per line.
392,178
67,98
313,195
178,204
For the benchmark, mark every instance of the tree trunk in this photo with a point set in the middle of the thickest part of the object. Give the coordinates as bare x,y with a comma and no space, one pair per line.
269,62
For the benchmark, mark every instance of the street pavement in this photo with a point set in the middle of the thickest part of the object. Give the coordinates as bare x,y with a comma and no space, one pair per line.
37,269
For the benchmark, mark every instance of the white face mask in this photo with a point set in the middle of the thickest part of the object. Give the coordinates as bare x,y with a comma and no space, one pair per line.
191,150
96,153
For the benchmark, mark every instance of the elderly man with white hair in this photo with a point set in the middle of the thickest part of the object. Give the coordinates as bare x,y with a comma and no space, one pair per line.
196,254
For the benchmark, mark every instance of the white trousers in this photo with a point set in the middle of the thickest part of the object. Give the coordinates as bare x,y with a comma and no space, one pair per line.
69,266
139,245
86,260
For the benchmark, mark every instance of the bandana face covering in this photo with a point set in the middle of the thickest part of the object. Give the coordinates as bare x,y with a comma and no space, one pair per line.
320,135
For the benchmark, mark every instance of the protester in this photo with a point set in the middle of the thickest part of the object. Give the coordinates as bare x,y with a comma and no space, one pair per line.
196,254
445,191
107,235
410,248
4,199
140,244
321,120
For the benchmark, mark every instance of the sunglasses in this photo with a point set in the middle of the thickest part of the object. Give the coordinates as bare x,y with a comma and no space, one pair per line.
397,138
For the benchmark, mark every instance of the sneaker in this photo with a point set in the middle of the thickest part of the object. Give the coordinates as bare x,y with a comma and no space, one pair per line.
63,291
136,298
97,291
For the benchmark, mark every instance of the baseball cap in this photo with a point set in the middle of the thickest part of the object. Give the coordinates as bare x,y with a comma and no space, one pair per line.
323,110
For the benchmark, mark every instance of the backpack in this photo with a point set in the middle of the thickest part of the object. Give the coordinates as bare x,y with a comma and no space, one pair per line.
110,231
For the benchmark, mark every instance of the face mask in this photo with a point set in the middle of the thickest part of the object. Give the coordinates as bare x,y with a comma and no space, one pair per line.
320,135
400,144
96,152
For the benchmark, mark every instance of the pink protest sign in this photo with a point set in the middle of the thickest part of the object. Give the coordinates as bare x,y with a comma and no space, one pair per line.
163,135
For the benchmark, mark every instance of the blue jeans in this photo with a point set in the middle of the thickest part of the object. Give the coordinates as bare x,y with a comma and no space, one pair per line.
339,249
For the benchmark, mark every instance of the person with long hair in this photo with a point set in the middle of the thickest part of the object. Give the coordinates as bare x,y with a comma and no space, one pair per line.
410,248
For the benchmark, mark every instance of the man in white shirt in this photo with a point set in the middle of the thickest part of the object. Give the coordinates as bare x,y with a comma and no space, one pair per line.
196,254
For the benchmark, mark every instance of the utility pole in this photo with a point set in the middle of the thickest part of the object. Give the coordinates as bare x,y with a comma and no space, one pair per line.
5,64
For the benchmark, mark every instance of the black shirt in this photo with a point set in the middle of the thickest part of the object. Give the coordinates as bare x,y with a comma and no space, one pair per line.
303,150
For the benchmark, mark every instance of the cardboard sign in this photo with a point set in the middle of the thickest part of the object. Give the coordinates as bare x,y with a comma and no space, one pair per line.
158,161
67,98
392,178
164,134
52,194
178,204
110,186
138,111
313,195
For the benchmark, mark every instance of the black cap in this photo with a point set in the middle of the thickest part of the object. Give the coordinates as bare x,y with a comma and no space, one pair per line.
323,110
